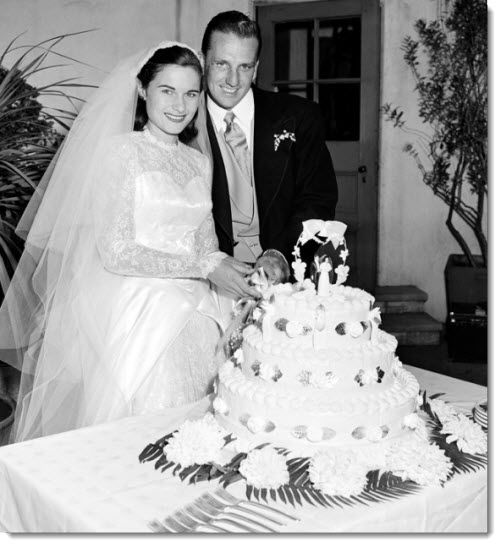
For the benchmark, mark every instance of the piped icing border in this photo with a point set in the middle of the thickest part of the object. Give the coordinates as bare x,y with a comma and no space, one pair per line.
404,388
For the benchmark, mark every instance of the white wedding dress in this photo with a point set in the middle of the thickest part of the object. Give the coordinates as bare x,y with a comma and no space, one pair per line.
157,243
133,328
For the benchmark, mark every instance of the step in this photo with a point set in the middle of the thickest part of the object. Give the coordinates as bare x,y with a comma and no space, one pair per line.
413,328
398,299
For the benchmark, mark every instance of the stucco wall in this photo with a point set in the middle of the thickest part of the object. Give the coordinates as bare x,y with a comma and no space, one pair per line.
122,28
414,242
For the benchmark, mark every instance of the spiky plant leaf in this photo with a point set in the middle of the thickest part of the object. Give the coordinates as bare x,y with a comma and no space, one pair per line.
28,139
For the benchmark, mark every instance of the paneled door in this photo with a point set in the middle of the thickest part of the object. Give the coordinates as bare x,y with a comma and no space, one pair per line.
329,52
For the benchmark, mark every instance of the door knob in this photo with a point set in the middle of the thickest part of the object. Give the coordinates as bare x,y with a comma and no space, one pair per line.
362,170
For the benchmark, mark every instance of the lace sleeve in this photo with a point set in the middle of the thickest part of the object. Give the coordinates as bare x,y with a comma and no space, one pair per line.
115,230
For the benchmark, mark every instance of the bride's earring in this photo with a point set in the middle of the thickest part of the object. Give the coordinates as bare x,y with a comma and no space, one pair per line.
141,91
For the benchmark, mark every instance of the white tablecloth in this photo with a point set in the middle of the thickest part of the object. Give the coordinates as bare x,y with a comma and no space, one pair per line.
90,480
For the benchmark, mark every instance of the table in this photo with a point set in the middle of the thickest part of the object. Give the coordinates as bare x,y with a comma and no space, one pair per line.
90,480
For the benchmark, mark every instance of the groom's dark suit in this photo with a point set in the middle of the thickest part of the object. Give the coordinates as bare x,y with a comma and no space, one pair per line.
294,183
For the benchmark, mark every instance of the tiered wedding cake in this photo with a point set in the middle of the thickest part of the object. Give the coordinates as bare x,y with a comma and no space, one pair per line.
314,369
313,404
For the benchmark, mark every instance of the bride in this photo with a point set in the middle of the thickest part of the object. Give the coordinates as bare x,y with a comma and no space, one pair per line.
110,311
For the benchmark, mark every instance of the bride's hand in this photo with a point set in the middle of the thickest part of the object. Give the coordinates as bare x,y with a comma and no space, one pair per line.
230,276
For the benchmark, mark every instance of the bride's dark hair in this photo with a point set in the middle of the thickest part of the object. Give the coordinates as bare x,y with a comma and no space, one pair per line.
161,57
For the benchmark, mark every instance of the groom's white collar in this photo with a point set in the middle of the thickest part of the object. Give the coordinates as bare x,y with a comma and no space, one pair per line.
243,112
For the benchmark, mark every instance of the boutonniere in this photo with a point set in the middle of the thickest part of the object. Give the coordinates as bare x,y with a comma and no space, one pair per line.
285,135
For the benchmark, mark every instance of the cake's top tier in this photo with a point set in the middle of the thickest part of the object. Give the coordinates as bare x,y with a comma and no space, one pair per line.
298,316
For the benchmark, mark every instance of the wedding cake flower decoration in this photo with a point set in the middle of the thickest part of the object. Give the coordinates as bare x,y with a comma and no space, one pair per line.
197,442
422,462
265,468
200,451
369,376
337,473
444,411
468,435
269,372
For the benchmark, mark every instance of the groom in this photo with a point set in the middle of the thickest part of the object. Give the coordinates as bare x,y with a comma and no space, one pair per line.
271,167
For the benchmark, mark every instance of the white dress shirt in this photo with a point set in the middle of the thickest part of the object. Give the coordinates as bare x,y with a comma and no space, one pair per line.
243,112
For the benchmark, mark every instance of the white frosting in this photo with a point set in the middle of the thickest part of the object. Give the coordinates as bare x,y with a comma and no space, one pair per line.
287,412
313,376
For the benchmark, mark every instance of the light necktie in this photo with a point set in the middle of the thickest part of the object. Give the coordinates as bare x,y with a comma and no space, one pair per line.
237,141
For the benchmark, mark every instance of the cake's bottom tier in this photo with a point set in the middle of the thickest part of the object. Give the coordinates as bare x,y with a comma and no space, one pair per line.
262,417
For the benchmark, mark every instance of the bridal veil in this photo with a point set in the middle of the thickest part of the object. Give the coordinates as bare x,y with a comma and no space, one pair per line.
38,324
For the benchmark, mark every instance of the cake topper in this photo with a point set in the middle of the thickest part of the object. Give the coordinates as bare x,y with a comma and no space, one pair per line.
322,232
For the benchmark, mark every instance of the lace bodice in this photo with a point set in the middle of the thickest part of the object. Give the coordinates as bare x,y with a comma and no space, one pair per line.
155,215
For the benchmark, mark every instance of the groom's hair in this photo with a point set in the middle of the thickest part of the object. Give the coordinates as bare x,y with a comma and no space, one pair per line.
233,22
175,54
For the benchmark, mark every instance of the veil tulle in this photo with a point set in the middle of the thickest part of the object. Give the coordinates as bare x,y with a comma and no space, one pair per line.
37,317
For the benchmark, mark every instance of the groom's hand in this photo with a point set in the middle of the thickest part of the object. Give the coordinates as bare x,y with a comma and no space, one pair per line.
230,276
275,266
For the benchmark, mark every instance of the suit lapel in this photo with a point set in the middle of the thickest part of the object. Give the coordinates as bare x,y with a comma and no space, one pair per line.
269,165
220,193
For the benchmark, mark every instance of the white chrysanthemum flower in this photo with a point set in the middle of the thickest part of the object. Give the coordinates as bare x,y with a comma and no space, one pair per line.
265,468
220,406
344,254
417,460
372,456
444,411
469,436
196,442
354,329
266,371
337,473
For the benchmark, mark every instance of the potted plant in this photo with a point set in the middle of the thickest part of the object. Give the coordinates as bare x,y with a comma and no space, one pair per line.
28,142
449,61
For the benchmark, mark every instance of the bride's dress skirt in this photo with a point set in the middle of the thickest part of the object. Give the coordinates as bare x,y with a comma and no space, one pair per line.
185,372
156,343
123,346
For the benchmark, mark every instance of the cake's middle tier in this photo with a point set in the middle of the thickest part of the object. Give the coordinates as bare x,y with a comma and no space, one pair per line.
343,371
